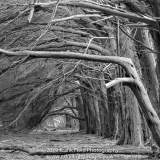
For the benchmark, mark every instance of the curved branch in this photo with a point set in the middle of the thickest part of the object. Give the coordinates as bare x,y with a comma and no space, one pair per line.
119,80
61,109
75,17
77,44
52,45
46,54
126,63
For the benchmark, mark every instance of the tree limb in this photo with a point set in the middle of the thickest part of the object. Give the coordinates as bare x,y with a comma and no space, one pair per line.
105,10
68,114
119,80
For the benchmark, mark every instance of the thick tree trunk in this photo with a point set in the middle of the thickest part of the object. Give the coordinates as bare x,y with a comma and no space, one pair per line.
148,66
156,37
89,108
129,119
106,129
115,108
92,114
80,108
133,120
150,114
97,110
86,113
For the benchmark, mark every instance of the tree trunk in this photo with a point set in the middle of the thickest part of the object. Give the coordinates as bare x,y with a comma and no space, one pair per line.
80,108
85,104
148,64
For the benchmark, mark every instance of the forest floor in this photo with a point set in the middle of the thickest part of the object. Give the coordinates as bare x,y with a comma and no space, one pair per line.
67,145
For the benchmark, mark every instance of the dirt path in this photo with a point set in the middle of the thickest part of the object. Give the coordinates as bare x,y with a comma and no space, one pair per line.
67,143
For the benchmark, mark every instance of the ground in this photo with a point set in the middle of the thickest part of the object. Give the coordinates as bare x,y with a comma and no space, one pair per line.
71,144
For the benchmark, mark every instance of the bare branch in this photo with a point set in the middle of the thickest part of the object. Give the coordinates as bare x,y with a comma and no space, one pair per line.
153,51
75,117
30,16
61,109
105,10
46,54
119,80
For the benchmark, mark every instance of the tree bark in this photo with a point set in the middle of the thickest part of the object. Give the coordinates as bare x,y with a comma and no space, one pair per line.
148,67
80,108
